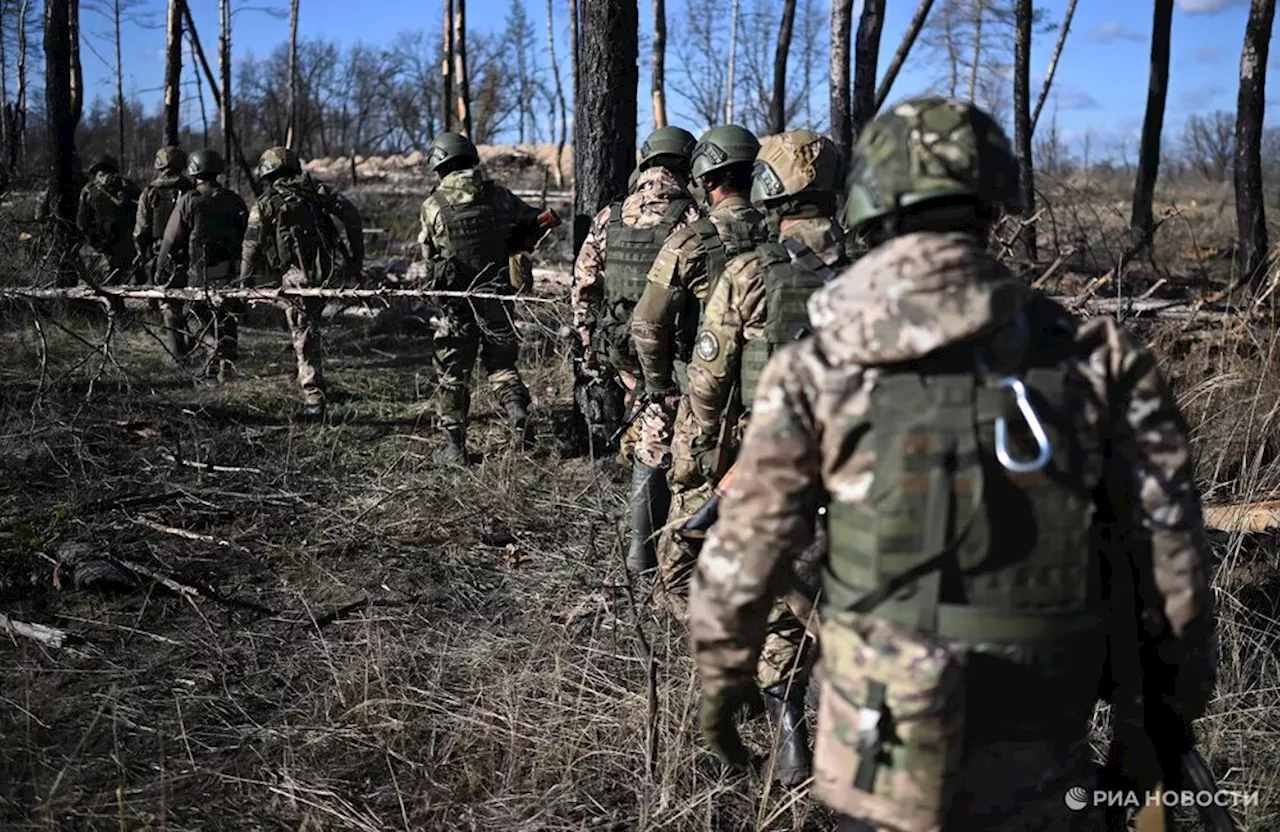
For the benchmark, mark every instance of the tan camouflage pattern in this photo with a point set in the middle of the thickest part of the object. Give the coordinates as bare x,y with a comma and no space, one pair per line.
643,208
902,300
800,161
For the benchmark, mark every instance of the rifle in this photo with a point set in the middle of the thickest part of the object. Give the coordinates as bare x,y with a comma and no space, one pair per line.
1152,749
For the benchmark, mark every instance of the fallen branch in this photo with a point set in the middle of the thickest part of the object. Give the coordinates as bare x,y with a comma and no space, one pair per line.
1256,516
204,466
48,636
252,295
183,533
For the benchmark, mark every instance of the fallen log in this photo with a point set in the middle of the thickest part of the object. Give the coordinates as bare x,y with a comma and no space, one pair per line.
251,295
1254,516
48,636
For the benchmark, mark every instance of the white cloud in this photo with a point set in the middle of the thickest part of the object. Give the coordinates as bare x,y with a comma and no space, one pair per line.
1207,6
1113,30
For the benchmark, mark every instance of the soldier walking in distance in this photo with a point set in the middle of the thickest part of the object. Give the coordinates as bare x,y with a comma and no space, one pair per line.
609,278
470,227
156,204
666,319
292,238
108,207
962,431
201,248
755,309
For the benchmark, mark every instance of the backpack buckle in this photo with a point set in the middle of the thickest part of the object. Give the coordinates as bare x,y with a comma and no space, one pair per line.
1037,430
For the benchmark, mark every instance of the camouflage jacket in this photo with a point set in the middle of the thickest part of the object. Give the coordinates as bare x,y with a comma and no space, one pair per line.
809,438
146,220
643,208
735,314
465,186
108,206
681,270
262,240
205,230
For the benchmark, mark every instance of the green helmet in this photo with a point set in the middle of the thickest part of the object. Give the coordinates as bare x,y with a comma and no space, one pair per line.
930,148
170,158
278,161
668,146
205,163
448,146
722,146
105,162
794,164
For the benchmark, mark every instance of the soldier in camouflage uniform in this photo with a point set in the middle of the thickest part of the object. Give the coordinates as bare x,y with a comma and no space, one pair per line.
666,319
470,228
293,239
962,635
756,308
201,248
609,277
157,202
105,217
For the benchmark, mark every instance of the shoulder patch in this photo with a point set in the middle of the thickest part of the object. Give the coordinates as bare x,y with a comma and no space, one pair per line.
708,346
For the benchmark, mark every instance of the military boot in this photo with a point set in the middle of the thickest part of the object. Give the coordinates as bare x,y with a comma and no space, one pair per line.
454,451
518,416
793,763
312,412
650,501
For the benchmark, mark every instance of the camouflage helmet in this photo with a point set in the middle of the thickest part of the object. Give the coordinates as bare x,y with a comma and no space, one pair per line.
930,148
170,158
205,163
793,164
448,146
278,161
105,162
722,146
665,144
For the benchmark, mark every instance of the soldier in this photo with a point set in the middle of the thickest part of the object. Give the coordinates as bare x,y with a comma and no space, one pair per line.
470,228
108,207
666,318
756,308
961,430
157,202
609,277
293,238
201,248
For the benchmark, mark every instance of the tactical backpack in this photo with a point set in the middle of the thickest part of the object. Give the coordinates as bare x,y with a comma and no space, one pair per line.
629,254
115,207
477,232
216,237
791,274
160,201
974,530
305,235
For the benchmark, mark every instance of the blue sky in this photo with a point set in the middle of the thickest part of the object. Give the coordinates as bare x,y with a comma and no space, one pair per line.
1101,81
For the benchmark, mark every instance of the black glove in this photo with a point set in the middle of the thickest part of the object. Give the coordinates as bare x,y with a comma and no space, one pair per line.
716,719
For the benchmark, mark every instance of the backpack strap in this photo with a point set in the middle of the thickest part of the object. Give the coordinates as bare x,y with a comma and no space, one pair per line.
802,254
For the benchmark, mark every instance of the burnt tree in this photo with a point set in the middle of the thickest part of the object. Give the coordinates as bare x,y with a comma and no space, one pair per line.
59,96
866,60
291,130
461,86
904,49
841,26
658,73
1251,105
604,118
446,66
778,102
173,72
1022,124
1142,222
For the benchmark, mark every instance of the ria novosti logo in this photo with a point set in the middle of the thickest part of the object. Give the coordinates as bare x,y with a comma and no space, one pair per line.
1077,798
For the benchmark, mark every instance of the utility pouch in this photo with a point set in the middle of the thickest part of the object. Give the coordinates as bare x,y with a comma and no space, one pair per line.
890,724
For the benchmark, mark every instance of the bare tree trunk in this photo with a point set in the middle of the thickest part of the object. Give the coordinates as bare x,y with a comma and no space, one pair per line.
173,72
115,21
866,60
560,102
225,101
460,67
7,115
1142,220
778,104
573,47
1022,123
1053,63
291,136
21,144
225,96
841,27
733,49
900,57
204,115
77,72
979,7
1251,108
59,105
604,144
659,64
446,67
953,50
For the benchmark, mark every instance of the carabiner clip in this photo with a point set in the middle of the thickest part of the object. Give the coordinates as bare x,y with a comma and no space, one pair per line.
1033,422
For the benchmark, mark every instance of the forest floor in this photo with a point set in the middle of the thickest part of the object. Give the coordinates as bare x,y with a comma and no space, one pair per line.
348,636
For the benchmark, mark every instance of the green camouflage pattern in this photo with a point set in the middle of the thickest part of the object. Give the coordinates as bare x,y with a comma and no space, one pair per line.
722,146
792,164
155,206
278,161
925,149
448,146
170,158
105,216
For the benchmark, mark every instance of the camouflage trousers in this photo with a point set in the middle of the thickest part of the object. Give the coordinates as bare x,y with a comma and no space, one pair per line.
464,331
217,320
303,317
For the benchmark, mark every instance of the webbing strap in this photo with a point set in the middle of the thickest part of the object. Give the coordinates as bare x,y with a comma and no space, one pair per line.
802,254
936,537
869,737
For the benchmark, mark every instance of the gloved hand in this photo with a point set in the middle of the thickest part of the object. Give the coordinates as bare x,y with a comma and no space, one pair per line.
547,220
716,720
706,453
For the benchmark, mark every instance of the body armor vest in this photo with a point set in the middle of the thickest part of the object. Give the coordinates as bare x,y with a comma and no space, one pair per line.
304,233
161,200
477,232
950,541
216,236
791,274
